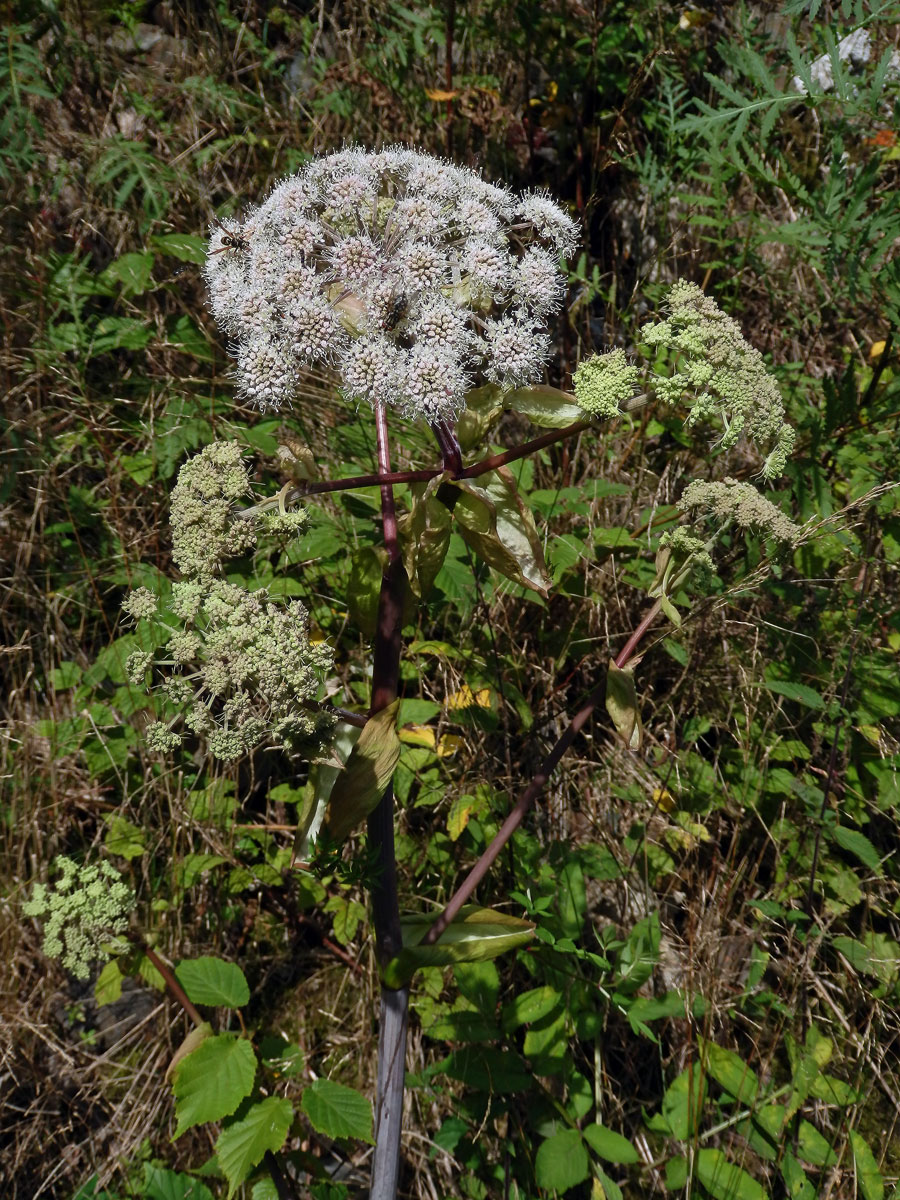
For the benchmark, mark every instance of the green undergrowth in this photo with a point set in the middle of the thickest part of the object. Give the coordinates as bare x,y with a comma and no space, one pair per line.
708,1006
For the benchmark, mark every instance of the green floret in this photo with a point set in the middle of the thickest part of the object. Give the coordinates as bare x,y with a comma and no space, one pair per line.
83,913
604,382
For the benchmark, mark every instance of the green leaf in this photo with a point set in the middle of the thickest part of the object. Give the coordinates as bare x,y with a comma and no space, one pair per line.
813,1148
66,675
487,1070
795,691
495,522
858,845
244,1143
622,705
476,934
561,1161
160,1184
338,1111
731,1071
869,1179
424,537
798,1185
725,1180
123,838
545,406
210,980
610,1145
186,247
212,1080
483,406
479,982
528,1007
831,1090
370,768
571,899
133,271
683,1102
108,987
876,954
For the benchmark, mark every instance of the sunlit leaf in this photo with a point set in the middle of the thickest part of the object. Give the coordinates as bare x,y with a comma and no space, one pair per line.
476,934
370,768
338,1111
245,1142
622,705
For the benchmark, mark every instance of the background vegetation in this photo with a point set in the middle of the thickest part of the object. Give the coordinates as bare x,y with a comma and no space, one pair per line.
717,967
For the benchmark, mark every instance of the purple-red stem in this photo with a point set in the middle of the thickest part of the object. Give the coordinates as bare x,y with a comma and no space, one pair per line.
534,789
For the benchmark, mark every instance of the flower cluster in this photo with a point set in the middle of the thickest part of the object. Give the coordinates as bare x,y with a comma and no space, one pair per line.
83,912
604,382
406,274
726,375
729,500
239,667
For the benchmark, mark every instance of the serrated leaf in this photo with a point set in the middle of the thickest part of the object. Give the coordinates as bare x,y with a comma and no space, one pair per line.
831,1090
622,705
160,1184
858,845
725,1180
545,406
210,980
338,1111
132,271
190,1043
610,1145
868,1177
210,1082
731,1071
561,1161
108,987
245,1142
799,1186
370,768
813,1148
477,934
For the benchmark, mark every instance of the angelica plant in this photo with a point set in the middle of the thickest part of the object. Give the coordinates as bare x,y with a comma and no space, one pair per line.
420,290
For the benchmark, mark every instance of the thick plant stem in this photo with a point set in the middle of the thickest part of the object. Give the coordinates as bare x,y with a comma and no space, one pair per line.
385,906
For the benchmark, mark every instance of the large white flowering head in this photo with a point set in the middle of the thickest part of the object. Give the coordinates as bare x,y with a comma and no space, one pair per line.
411,277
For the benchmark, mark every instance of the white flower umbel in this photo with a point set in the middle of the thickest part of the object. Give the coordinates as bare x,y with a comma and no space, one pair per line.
410,276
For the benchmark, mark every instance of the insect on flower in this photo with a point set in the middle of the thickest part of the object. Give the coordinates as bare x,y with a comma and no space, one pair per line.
237,240
397,310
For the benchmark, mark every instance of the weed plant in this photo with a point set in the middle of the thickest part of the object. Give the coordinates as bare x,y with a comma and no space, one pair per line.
708,1005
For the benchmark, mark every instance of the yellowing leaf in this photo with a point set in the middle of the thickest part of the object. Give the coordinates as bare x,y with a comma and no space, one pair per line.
448,745
664,800
197,1035
877,349
418,735
466,698
440,95
622,706
369,770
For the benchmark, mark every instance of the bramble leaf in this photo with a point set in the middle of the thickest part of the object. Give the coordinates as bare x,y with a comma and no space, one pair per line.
244,1143
211,1082
210,980
338,1111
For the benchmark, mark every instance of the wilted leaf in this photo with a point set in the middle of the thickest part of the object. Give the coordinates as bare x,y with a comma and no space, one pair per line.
370,768
495,522
622,705
476,934
545,406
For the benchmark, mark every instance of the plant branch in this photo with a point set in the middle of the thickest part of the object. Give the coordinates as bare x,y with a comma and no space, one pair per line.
178,992
534,789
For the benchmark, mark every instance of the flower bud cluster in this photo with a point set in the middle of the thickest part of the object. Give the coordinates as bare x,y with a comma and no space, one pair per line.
238,668
604,382
409,276
726,375
729,500
84,910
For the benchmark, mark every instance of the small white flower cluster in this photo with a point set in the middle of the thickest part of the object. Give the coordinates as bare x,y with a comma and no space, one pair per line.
239,667
409,276
727,376
83,912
